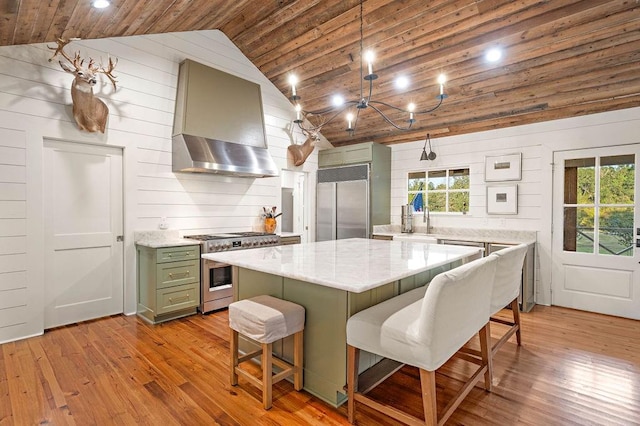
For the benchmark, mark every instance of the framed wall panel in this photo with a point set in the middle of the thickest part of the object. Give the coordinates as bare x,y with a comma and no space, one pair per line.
502,199
503,167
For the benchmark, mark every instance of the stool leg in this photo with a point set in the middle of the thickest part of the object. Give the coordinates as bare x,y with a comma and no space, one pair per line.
353,356
267,377
428,387
298,351
516,319
234,356
485,349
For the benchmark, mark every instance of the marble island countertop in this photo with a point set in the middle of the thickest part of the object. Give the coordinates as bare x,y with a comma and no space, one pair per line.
354,265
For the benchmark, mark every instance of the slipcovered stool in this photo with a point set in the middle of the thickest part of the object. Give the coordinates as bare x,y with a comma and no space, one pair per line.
266,319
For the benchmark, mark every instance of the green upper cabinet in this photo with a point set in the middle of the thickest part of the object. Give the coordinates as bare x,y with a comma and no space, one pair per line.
350,154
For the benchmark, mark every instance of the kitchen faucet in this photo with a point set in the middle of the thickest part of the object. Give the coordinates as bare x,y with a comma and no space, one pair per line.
426,218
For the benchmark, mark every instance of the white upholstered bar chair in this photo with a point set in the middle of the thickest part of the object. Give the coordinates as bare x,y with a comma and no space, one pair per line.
506,288
266,319
424,328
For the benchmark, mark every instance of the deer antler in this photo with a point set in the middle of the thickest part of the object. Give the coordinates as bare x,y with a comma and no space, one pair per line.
102,70
59,50
312,133
77,61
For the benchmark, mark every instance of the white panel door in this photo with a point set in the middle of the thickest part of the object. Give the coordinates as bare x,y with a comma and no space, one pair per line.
83,264
595,215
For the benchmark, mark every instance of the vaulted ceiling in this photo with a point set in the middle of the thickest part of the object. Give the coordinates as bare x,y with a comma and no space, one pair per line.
561,58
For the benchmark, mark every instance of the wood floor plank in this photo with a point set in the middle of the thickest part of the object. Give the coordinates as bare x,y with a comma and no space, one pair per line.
573,368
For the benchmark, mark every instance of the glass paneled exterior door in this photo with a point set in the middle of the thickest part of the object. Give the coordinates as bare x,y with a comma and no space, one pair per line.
595,265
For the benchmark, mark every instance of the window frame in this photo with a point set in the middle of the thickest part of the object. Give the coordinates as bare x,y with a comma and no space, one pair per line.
425,191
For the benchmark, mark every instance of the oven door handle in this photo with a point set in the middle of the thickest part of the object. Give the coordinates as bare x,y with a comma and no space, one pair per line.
214,264
219,287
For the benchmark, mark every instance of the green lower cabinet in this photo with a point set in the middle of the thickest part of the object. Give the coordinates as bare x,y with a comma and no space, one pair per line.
168,282
325,350
173,299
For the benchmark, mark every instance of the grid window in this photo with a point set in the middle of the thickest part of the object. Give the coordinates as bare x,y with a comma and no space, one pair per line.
445,191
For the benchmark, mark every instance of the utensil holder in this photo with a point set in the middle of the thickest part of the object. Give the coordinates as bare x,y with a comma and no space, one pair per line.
270,225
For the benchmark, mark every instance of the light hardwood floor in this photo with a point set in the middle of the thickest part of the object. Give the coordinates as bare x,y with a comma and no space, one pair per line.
574,368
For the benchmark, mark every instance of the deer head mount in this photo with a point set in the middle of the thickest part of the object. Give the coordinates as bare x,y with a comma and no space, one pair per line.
89,111
301,152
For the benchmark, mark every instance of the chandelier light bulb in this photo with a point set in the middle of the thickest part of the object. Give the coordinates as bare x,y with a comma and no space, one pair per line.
349,121
369,57
411,107
442,79
298,112
293,80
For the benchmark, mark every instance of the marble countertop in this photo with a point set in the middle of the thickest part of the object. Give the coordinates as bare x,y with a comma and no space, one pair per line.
497,236
354,265
160,239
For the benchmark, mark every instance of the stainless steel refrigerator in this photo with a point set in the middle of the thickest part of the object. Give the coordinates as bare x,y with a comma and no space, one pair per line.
342,201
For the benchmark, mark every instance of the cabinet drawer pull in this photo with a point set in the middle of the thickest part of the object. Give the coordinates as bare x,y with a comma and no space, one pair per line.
179,299
179,275
182,254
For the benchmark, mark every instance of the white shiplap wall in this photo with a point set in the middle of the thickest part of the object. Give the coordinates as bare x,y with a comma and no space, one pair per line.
13,228
35,104
536,142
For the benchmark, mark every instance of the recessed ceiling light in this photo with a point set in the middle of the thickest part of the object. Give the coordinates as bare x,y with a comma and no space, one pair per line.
494,54
337,100
101,4
402,82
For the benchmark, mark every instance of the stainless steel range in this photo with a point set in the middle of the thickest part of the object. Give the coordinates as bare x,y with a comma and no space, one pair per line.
216,290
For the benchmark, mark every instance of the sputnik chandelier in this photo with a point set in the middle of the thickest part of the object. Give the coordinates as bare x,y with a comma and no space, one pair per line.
339,106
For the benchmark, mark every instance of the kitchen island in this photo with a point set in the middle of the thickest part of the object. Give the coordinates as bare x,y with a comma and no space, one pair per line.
333,280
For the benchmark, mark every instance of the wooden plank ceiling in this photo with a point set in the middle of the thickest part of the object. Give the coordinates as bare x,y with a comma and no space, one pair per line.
562,58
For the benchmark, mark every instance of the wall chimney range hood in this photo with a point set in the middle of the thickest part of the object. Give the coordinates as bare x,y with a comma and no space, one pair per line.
219,124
